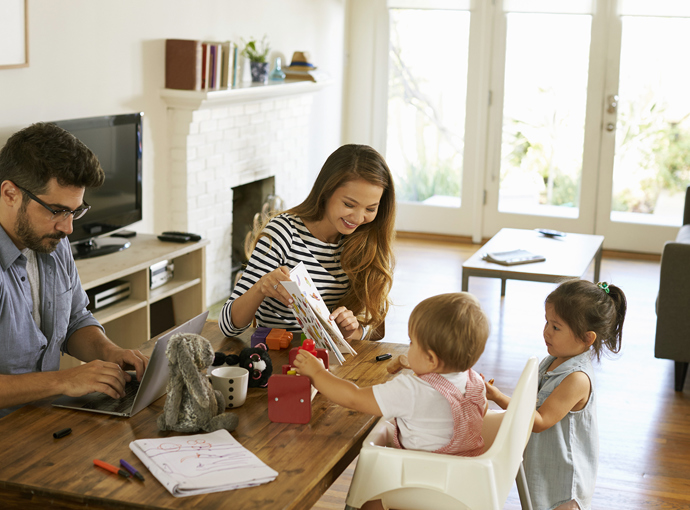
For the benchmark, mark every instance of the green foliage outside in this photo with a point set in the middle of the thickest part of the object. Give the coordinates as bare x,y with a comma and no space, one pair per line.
657,150
661,150
421,181
531,156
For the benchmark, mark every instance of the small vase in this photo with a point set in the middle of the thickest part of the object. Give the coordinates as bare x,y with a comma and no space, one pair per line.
277,74
259,72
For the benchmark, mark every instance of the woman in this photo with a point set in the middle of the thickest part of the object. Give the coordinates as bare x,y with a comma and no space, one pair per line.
343,233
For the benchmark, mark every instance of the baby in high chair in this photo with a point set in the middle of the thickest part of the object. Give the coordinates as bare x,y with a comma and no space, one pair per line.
441,405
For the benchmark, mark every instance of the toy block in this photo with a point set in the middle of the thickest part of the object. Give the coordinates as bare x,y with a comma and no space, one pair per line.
322,354
278,339
259,336
289,399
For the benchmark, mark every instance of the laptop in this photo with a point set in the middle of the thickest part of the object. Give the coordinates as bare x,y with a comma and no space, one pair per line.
138,395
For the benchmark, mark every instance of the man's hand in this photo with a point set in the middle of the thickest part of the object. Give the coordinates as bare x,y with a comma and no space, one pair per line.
101,376
128,359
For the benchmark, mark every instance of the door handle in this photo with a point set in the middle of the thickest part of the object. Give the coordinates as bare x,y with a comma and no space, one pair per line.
612,101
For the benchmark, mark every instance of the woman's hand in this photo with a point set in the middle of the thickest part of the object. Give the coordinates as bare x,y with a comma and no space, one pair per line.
347,323
269,285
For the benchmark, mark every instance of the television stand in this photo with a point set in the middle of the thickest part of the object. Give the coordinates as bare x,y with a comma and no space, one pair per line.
98,246
131,322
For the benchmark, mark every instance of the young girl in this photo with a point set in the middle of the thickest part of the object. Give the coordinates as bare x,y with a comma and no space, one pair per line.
441,406
582,319
343,233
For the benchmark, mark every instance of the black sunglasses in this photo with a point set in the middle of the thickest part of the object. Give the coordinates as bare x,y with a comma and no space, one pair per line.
58,215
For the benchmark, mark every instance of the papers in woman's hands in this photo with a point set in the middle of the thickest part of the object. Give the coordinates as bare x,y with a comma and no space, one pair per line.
513,257
202,463
312,313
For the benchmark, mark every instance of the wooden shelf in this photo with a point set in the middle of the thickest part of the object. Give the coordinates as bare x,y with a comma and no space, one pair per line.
197,99
117,310
128,322
172,288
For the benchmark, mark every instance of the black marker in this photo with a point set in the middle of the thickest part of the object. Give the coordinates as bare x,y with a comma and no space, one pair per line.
62,433
382,357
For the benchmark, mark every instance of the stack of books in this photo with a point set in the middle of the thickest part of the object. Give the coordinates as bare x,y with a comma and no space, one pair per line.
200,65
513,257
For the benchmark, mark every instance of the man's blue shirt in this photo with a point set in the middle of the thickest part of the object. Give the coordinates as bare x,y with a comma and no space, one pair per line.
23,346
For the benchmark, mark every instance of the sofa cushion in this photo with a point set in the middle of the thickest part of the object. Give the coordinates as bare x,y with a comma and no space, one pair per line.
683,235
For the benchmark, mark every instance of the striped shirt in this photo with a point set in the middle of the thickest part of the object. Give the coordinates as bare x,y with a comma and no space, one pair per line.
289,244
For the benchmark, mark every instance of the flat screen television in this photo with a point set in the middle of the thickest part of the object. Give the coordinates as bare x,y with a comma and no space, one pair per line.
117,142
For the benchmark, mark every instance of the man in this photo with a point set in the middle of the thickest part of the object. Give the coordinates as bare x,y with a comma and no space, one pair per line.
44,171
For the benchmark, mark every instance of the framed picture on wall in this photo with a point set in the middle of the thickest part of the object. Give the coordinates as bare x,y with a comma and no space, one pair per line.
14,34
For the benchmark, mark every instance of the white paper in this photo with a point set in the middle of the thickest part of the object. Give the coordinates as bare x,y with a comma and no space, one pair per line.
201,463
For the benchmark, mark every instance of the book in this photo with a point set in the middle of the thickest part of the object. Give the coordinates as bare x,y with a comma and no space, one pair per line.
314,75
513,257
226,64
183,61
202,463
235,64
312,314
204,66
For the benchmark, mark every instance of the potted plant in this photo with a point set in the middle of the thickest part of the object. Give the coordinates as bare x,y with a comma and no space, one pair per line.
256,53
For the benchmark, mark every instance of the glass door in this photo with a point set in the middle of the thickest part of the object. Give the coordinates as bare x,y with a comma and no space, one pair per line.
427,114
543,143
645,156
590,120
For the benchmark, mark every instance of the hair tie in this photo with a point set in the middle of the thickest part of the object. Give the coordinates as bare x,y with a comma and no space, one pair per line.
603,286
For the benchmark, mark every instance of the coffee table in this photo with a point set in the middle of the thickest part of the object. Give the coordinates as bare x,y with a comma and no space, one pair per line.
568,256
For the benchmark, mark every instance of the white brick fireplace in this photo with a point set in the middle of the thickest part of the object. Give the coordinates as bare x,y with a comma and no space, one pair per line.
223,139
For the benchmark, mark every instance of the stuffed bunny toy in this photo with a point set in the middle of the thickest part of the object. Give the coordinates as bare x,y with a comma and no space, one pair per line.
192,403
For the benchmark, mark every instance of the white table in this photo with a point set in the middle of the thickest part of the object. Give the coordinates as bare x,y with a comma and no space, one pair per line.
568,256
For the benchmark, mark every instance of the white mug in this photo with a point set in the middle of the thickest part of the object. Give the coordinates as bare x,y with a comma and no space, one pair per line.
232,383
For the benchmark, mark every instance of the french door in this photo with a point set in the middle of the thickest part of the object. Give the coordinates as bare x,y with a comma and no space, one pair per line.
433,122
590,123
565,115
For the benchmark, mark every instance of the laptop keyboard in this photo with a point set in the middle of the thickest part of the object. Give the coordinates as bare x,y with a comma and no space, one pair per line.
104,402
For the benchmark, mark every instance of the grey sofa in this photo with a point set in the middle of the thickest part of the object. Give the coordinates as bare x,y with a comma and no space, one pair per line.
673,303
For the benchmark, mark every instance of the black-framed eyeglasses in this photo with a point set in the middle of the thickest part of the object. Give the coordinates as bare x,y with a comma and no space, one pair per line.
58,215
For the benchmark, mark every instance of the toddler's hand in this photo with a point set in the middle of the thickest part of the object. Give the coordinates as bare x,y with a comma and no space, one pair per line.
491,391
307,364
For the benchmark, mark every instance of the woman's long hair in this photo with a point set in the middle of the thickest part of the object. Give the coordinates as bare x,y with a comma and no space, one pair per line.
367,256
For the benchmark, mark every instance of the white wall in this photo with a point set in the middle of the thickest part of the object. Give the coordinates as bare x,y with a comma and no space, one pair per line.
98,57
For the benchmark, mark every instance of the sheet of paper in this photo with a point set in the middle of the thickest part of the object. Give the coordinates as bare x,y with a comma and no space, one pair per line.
201,463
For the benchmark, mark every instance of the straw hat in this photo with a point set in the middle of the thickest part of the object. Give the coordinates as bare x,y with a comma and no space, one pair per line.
300,62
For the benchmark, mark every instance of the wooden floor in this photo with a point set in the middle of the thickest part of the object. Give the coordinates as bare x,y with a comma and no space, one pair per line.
644,426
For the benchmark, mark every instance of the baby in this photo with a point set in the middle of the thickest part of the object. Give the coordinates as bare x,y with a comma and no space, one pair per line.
440,407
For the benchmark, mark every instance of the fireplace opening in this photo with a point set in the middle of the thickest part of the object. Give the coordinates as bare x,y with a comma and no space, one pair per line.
251,203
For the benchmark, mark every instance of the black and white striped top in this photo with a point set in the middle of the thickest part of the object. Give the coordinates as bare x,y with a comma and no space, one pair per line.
290,243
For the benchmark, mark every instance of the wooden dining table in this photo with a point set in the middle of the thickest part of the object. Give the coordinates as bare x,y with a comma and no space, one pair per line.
39,471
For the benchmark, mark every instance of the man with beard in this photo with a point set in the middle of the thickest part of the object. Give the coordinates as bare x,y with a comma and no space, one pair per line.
44,171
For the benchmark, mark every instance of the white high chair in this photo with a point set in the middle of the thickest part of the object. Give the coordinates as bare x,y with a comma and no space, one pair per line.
416,480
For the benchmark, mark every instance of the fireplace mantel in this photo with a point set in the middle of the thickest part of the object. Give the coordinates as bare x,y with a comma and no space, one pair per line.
221,139
197,100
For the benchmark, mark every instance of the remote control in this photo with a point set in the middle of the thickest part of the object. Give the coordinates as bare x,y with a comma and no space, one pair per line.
174,239
193,237
550,233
